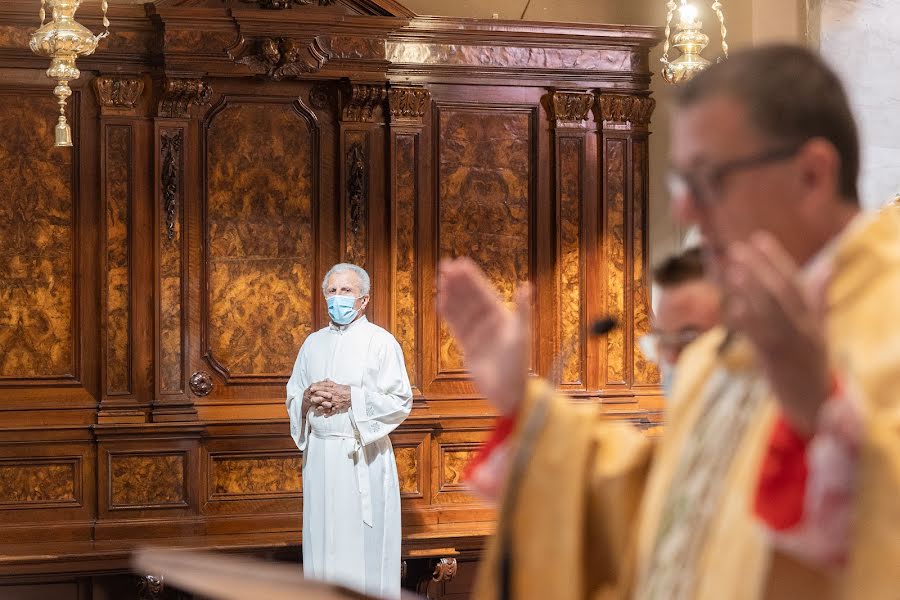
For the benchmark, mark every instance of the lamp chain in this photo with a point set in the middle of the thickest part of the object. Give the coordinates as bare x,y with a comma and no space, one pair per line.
665,56
717,7
104,5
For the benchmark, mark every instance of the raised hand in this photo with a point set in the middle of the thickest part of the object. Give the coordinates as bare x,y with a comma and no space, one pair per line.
494,340
784,317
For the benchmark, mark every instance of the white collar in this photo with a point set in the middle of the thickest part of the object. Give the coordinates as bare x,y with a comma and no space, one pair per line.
345,328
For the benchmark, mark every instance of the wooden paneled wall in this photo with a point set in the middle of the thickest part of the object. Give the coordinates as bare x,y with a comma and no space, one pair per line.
157,280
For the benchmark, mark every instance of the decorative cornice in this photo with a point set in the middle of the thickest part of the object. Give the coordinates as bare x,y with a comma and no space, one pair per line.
408,104
118,93
625,109
569,108
360,100
281,58
178,95
282,4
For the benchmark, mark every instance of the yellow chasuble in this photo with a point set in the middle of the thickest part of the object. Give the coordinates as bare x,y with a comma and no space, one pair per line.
597,511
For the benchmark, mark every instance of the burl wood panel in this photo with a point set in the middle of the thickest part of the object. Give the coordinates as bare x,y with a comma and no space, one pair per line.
571,161
146,480
256,475
118,281
36,242
408,469
260,244
38,483
171,369
645,371
615,258
484,204
406,276
356,173
505,56
453,465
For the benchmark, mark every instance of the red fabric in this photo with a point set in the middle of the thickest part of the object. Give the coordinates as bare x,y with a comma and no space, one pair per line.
781,489
502,430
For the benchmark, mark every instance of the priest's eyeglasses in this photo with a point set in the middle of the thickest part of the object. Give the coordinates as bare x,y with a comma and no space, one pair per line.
652,343
705,184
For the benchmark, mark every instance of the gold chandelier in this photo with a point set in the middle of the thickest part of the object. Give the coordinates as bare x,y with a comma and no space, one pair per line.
63,39
690,40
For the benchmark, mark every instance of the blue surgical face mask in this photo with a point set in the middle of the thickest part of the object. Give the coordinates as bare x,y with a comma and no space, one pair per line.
340,309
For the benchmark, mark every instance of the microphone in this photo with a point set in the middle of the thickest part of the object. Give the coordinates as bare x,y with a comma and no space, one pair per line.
603,326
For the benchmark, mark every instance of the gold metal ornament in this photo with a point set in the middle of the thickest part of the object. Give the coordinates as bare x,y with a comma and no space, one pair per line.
63,40
690,41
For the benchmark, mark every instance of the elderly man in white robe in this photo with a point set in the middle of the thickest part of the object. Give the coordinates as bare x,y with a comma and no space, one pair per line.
348,391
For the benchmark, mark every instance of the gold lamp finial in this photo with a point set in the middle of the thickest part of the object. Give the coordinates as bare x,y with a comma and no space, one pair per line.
690,41
62,40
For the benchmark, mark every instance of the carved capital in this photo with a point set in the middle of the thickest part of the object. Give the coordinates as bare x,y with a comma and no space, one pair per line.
569,108
281,58
408,103
625,109
282,4
177,95
118,93
360,100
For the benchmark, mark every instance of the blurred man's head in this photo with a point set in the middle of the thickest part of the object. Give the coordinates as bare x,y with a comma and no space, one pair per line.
764,141
687,305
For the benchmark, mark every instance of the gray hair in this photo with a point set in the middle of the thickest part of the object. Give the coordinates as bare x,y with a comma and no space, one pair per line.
364,281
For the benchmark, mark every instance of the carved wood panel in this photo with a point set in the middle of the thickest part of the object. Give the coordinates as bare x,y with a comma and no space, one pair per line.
38,323
40,482
118,199
615,155
248,475
646,372
357,176
406,272
484,168
170,366
260,242
570,194
147,480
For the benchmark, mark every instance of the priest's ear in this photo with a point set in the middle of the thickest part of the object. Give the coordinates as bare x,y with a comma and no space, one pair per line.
819,172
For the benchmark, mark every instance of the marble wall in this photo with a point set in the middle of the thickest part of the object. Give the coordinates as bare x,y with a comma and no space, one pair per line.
861,39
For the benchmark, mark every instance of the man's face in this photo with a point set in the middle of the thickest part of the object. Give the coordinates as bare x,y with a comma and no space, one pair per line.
684,311
346,283
758,191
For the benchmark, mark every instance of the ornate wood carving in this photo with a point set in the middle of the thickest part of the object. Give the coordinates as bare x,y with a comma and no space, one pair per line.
257,476
37,320
445,569
171,351
282,4
201,383
45,482
360,101
567,108
357,170
281,58
484,175
625,109
429,584
321,96
260,211
408,104
118,199
118,92
142,481
178,95
170,147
